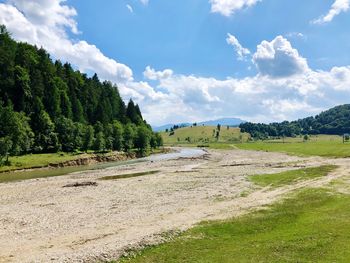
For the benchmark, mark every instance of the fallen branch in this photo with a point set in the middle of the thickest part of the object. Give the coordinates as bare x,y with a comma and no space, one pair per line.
81,184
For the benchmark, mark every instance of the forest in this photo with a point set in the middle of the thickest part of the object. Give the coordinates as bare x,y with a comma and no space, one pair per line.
47,106
335,121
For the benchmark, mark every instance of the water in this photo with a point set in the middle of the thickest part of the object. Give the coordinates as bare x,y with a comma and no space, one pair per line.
25,175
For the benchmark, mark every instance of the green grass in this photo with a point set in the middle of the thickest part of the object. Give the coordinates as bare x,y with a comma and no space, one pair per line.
204,135
288,177
39,160
124,176
327,146
311,226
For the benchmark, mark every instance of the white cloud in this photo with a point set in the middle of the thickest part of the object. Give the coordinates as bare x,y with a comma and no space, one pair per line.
151,74
129,7
229,7
260,98
44,23
337,7
240,50
279,59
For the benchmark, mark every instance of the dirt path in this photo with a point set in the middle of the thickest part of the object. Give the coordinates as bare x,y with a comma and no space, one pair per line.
41,221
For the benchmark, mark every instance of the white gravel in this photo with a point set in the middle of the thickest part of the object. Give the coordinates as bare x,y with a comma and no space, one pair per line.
41,221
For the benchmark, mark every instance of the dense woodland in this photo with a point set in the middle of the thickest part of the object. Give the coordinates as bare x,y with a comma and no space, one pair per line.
335,121
47,106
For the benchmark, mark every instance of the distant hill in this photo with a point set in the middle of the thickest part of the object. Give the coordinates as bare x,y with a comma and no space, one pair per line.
204,135
232,122
335,121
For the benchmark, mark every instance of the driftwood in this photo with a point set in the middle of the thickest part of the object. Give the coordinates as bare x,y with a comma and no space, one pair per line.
82,184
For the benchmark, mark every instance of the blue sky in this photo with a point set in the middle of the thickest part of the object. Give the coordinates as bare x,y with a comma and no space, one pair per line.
185,36
193,60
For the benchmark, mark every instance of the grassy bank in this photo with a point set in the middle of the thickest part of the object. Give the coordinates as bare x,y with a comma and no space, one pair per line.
39,160
289,177
311,226
31,161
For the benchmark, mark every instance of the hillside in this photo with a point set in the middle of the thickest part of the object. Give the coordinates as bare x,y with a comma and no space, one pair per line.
47,106
204,135
233,122
335,121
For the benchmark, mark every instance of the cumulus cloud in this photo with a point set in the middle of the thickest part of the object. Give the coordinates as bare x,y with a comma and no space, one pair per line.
279,59
228,7
240,50
45,22
338,7
259,98
151,74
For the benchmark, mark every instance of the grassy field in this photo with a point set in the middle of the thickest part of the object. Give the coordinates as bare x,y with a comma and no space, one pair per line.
289,177
38,160
311,226
322,145
204,135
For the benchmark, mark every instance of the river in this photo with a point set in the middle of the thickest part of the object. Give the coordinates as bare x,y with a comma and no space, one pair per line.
42,173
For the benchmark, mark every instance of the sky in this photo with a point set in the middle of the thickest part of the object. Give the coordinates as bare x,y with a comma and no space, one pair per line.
196,60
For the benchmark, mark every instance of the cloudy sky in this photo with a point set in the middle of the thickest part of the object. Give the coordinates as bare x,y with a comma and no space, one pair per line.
194,60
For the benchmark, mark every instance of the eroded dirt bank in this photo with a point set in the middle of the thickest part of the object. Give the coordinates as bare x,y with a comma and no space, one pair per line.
42,221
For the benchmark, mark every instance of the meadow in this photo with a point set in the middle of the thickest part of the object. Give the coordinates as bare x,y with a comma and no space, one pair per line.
204,135
319,145
233,138
311,225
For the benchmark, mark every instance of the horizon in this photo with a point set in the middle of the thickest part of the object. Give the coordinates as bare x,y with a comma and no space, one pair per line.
226,59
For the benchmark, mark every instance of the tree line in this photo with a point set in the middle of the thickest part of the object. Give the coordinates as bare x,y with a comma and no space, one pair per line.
335,121
47,106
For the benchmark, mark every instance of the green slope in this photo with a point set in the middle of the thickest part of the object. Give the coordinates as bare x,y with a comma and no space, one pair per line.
203,135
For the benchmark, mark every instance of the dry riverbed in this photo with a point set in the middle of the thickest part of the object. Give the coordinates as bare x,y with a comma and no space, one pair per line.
79,218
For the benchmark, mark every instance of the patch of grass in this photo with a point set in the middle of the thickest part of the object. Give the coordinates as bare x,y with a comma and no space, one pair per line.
288,177
124,176
245,193
311,226
322,145
39,160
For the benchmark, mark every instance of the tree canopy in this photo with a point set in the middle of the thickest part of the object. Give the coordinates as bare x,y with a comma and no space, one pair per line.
335,121
47,106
